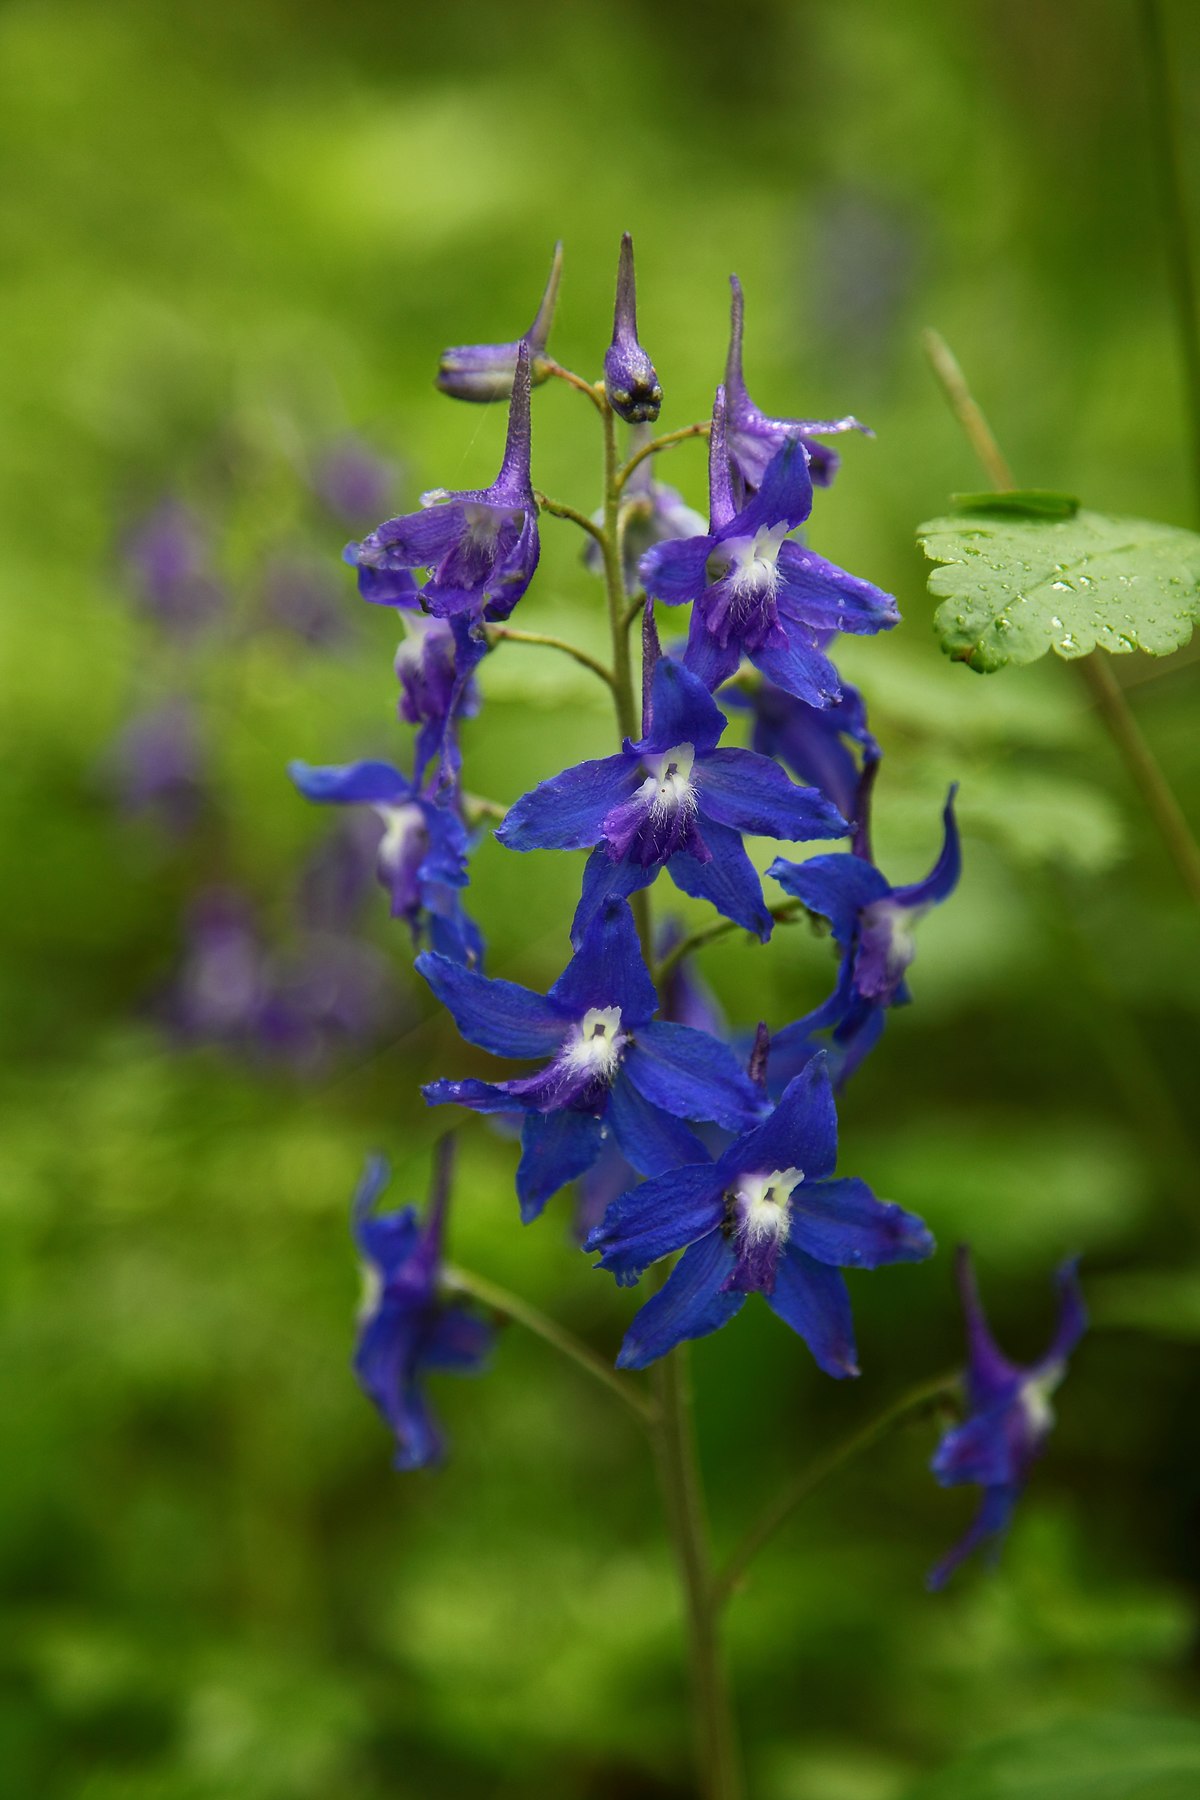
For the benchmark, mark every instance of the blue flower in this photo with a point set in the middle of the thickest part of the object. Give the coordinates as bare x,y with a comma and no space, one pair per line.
753,437
873,927
672,800
485,371
435,666
167,553
1009,1414
422,856
814,742
406,1328
157,766
764,1218
630,381
480,545
756,593
610,1069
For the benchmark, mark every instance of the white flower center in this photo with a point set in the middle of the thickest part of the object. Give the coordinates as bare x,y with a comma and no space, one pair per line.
754,561
1035,1398
598,1046
483,522
670,784
401,825
763,1204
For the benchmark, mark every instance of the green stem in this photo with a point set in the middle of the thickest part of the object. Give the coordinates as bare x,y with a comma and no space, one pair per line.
675,1448
783,914
701,428
1164,141
509,634
1094,671
915,1404
558,509
594,391
511,1306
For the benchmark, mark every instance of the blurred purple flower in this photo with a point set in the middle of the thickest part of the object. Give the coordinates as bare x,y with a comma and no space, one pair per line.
167,553
353,482
157,766
301,597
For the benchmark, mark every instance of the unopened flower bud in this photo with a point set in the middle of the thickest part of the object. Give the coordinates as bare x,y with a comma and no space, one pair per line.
630,381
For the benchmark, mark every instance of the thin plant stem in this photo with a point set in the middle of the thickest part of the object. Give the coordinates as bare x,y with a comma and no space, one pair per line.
918,1402
783,914
1094,671
594,391
509,634
1168,168
701,428
511,1306
558,509
675,1447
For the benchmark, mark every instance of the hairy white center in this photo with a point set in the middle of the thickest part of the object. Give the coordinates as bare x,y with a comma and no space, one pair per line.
1035,1398
401,825
670,783
762,1203
754,561
599,1043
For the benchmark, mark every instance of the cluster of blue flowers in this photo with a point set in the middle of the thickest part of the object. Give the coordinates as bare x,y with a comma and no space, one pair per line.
686,1147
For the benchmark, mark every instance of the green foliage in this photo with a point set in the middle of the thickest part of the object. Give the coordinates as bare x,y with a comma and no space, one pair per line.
1026,572
1100,1758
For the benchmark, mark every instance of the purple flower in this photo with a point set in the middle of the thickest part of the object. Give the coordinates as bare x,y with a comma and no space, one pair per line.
486,371
765,1218
352,481
407,1329
610,1069
435,666
336,876
873,927
480,546
167,553
753,437
322,994
422,855
672,800
1009,1415
157,765
756,593
219,991
814,742
630,381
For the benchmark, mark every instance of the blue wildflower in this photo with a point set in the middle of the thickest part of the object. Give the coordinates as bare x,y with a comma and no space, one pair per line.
756,593
753,437
480,545
485,371
672,800
630,380
435,666
1009,1414
610,1069
872,925
407,1329
168,555
764,1218
422,856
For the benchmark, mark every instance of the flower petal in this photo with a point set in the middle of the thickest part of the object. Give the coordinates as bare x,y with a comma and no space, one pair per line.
837,887
458,1341
842,1223
499,1016
608,970
942,879
566,812
990,1521
375,782
480,1096
728,881
605,881
693,1302
800,667
811,1298
752,793
676,571
800,1134
817,593
656,1218
692,1075
682,711
556,1147
654,1141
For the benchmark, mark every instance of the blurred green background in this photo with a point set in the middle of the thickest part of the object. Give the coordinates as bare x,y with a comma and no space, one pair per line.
233,235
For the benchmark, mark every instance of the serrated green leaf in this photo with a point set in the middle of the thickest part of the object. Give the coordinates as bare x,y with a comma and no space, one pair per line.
1106,1757
1014,587
1037,503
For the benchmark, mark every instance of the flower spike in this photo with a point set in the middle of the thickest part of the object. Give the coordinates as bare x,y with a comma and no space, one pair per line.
484,372
630,381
